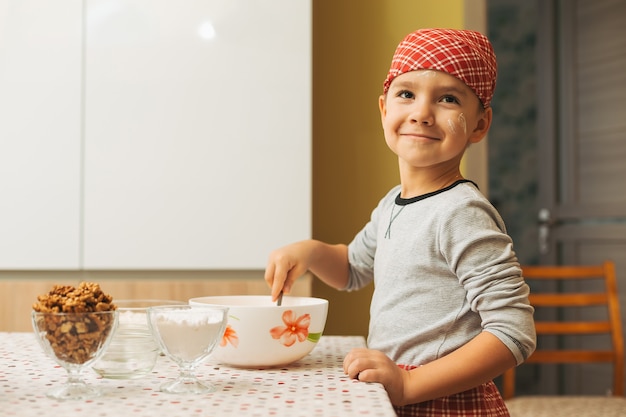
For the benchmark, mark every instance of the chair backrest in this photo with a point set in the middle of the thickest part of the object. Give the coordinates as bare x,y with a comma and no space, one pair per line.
564,298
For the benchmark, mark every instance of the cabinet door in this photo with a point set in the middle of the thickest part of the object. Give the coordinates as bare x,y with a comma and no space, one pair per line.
197,132
40,134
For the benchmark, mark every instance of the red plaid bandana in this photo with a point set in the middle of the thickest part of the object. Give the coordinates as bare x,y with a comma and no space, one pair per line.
465,54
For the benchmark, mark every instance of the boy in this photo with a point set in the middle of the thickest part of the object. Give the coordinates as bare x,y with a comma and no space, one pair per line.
450,308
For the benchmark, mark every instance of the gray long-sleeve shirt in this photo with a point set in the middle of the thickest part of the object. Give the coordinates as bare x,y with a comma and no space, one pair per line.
444,270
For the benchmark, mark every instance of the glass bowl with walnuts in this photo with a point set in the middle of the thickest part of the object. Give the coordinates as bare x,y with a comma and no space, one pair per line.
73,326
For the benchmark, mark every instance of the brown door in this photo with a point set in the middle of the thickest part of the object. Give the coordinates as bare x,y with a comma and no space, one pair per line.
582,143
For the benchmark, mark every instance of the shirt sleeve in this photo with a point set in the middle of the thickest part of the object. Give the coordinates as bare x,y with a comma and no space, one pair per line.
480,253
361,253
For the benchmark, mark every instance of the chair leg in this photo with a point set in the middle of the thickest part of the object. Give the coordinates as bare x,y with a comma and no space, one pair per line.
508,385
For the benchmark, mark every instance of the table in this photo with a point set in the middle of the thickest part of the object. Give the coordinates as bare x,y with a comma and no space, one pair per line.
314,386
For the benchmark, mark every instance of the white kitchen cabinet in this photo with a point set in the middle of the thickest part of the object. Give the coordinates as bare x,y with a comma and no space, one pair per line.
40,134
192,148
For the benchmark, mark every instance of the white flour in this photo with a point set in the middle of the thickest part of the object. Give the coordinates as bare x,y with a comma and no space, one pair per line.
188,338
131,317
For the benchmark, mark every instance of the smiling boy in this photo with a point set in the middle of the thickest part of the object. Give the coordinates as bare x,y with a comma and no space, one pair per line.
450,308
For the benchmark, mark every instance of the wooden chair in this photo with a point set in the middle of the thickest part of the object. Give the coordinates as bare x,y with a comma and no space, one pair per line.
554,406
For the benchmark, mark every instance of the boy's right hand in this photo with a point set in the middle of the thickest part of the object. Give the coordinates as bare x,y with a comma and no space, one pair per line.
285,265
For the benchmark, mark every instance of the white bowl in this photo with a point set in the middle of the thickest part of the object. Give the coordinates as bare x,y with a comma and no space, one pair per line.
260,334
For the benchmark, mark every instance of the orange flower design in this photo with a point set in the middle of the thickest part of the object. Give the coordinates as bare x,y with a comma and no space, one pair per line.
230,336
295,329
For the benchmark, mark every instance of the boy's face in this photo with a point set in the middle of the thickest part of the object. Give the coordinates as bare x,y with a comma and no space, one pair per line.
430,117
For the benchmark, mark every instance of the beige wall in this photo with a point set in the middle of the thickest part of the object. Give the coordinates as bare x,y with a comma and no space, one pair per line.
19,290
352,167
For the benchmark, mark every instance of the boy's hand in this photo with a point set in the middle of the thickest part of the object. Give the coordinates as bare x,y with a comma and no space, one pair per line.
284,266
369,365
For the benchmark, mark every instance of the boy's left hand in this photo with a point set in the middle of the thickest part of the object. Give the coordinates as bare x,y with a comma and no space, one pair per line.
369,365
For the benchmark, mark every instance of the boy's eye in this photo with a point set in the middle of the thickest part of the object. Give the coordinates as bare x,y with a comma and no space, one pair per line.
405,94
449,99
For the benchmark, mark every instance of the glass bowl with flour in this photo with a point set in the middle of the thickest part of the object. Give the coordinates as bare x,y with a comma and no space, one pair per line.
187,334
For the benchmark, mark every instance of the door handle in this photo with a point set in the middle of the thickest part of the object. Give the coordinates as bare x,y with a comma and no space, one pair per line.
545,221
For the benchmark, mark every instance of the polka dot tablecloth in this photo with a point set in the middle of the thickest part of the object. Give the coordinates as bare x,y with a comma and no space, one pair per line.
313,386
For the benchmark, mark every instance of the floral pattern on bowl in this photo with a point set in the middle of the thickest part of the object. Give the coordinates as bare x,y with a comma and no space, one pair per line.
295,329
230,336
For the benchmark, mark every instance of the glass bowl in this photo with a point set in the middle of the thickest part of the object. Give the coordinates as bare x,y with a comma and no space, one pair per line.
133,352
187,335
74,340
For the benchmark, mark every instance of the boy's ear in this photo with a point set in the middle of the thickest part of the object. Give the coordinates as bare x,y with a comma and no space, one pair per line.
482,126
382,107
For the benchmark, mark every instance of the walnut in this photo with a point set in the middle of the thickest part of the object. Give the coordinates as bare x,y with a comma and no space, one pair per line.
75,338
